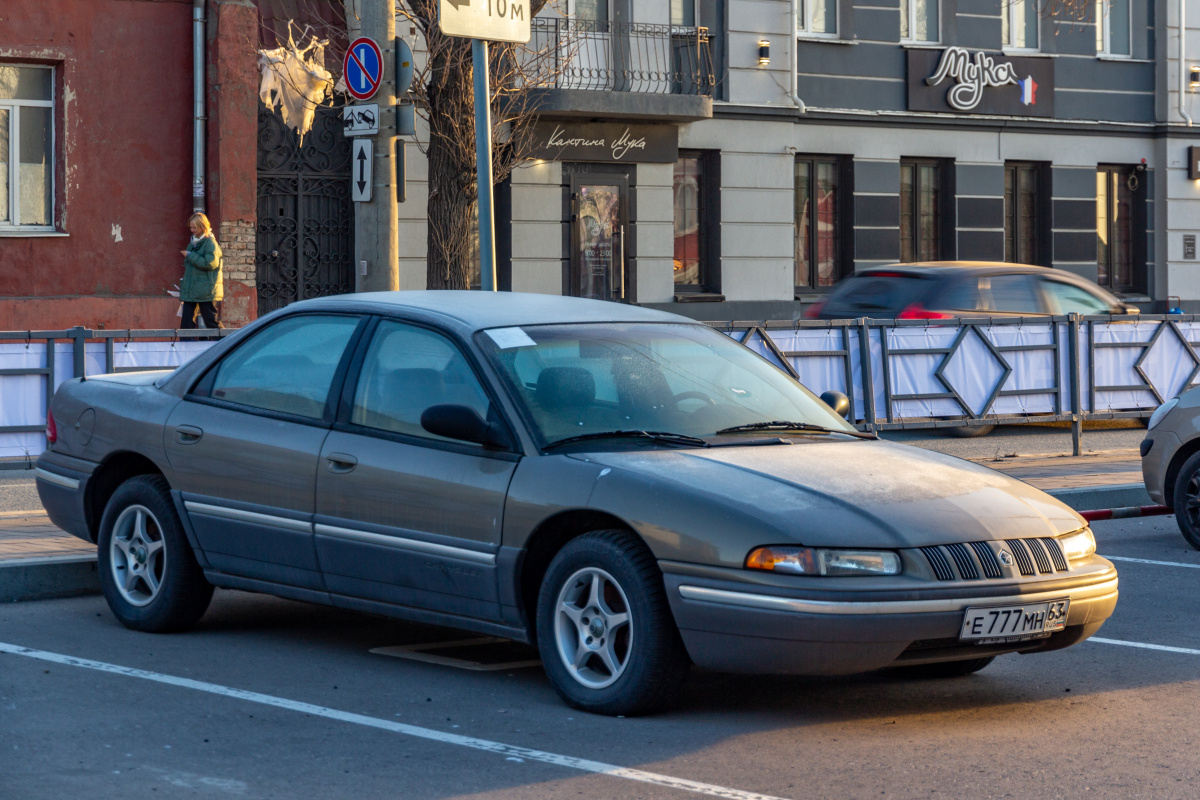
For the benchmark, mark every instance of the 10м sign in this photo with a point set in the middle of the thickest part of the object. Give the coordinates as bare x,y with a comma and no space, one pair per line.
490,20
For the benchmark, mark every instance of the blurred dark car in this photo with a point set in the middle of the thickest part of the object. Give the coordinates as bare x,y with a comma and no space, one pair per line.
949,289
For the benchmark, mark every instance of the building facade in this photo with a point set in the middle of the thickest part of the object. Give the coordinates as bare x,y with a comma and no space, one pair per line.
844,134
96,158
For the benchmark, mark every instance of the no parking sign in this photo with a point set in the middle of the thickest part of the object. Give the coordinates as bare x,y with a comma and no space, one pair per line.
363,68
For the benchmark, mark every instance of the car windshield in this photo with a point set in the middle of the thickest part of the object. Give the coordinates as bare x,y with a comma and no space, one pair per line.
688,379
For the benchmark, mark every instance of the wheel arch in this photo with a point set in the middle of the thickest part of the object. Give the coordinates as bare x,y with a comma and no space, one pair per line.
112,472
547,539
1189,449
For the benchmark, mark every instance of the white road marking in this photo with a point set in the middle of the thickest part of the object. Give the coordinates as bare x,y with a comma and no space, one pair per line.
507,750
1149,561
1185,650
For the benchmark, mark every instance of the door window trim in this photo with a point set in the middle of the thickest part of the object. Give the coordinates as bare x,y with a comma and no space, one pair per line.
345,402
339,375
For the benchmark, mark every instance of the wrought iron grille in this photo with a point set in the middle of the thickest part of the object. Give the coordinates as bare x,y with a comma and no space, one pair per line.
305,240
622,57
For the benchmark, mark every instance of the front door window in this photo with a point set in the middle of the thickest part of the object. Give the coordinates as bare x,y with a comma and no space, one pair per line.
598,260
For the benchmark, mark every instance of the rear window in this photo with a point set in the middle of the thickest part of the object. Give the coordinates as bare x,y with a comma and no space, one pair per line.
876,294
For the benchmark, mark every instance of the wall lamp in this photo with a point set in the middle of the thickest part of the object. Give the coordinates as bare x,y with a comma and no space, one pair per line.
1194,78
764,54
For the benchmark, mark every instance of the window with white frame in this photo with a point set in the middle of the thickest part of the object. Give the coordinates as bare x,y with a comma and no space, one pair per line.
1112,27
919,21
1019,24
26,147
816,17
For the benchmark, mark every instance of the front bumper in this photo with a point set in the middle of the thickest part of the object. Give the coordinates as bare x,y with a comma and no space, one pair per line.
735,627
1164,444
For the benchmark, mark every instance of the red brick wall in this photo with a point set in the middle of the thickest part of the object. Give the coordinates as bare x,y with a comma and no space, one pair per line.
124,149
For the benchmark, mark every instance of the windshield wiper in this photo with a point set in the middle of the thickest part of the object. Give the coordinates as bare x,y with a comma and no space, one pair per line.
784,425
660,436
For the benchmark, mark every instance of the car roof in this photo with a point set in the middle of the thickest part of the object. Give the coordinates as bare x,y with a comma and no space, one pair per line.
474,310
931,269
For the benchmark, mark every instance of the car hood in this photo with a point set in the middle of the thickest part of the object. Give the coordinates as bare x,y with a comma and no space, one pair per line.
834,492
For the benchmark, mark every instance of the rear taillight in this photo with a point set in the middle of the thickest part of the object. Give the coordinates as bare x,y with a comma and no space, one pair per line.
918,311
814,310
51,428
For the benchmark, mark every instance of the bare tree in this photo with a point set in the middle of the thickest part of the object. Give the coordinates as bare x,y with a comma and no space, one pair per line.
444,95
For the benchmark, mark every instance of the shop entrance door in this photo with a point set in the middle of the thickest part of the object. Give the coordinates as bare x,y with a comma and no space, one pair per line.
599,222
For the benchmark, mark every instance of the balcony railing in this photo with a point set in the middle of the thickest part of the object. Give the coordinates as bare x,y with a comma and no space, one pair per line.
622,57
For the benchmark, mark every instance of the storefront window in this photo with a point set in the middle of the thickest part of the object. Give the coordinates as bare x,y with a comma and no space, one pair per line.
1021,217
1112,27
920,211
919,21
817,222
688,194
1019,24
1114,228
26,147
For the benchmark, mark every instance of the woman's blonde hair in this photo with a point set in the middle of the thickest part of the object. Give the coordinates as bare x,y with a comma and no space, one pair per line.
202,221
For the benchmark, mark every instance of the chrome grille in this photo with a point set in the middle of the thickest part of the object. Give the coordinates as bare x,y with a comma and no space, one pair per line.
966,561
939,562
1040,556
962,560
1056,553
1021,555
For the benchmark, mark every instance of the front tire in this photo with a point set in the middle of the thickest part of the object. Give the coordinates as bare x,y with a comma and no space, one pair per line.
1187,500
605,632
148,572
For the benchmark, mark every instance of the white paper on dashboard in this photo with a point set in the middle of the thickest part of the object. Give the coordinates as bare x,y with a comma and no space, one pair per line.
506,338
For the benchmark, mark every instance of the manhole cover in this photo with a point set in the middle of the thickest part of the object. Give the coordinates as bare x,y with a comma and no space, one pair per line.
483,654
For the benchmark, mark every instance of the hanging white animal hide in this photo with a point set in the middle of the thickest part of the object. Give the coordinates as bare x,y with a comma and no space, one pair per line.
295,80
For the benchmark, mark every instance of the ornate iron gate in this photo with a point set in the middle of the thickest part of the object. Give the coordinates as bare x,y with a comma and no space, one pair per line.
305,240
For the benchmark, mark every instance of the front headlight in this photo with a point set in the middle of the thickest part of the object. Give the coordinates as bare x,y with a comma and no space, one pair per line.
1080,544
821,561
1161,412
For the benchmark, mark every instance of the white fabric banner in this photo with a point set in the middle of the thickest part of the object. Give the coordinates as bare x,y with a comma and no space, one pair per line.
23,397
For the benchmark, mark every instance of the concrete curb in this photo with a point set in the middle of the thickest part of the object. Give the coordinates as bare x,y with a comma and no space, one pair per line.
1089,498
47,578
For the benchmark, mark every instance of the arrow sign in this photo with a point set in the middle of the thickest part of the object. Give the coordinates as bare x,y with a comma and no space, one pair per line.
363,159
489,20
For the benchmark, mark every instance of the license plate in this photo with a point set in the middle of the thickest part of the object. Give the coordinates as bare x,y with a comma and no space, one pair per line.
1009,623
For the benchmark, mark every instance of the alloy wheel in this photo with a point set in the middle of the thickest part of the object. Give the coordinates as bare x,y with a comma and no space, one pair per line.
138,555
1191,500
592,628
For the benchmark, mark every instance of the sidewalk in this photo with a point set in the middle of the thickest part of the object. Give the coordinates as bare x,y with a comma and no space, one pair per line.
38,561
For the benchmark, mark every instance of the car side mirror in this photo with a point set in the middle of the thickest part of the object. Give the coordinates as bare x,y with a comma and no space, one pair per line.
838,402
464,424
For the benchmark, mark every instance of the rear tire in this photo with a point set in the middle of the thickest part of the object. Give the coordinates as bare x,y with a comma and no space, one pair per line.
1186,498
148,572
604,627
971,432
949,669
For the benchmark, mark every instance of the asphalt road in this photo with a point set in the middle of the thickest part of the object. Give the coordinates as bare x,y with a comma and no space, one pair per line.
18,493
1100,720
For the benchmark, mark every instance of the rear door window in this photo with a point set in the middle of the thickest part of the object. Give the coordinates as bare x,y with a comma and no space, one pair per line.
1011,294
288,367
1067,298
878,294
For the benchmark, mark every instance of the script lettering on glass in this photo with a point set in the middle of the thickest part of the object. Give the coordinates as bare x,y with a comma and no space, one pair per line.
972,76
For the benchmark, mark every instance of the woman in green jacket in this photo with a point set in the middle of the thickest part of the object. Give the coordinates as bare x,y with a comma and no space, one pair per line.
201,286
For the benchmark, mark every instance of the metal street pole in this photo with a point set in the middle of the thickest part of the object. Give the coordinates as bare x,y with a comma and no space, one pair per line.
483,165
376,223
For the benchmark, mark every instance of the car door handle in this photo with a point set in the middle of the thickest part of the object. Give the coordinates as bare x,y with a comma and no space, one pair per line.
340,462
187,434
